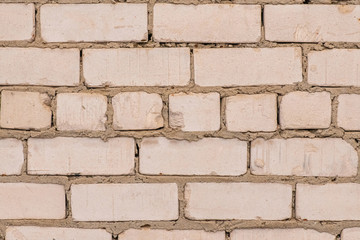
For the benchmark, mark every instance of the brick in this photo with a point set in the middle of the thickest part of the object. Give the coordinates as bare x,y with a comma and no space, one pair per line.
303,110
81,111
272,234
137,67
146,234
25,110
333,202
124,202
39,66
195,111
259,66
17,22
348,113
312,23
226,201
251,113
303,157
208,156
11,156
32,201
119,22
336,67
207,23
350,233
46,233
81,156
137,110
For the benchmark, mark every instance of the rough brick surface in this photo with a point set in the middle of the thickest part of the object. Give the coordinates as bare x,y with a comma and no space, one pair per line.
350,233
272,234
134,234
348,114
11,156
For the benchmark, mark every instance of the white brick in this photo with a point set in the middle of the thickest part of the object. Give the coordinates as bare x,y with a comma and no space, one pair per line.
25,110
17,22
303,110
47,233
84,156
251,113
146,234
348,114
81,111
11,156
336,67
93,22
207,23
195,111
137,67
312,23
124,202
259,66
32,201
350,233
333,202
137,110
208,156
226,201
278,234
39,66
303,157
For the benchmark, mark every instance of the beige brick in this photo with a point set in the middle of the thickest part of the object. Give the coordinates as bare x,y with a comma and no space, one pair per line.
124,202
17,22
312,23
332,202
137,110
81,111
32,201
25,110
11,156
94,22
303,157
350,233
348,113
336,67
137,67
208,156
226,201
146,234
83,156
251,113
39,66
259,66
47,233
207,23
303,110
278,234
195,111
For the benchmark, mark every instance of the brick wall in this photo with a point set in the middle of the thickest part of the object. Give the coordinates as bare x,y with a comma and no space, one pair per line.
181,120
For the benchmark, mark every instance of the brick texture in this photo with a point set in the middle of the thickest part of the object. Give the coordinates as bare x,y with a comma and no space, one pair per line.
173,235
268,234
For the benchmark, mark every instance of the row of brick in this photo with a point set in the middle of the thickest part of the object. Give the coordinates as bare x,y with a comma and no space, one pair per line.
162,156
160,201
181,23
171,67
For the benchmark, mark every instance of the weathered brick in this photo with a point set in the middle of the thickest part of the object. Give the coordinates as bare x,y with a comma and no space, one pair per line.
146,234
348,113
274,234
124,202
350,233
259,66
25,110
208,156
207,23
81,111
93,22
137,67
83,156
332,202
303,110
225,201
32,201
251,113
11,156
137,110
195,111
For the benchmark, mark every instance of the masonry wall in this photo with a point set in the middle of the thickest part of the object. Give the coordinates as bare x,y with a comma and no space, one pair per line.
216,120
